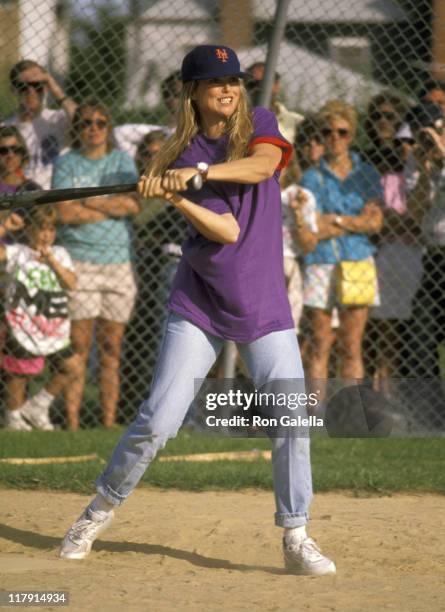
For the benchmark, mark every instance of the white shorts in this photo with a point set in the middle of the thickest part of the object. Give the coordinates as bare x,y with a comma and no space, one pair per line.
105,291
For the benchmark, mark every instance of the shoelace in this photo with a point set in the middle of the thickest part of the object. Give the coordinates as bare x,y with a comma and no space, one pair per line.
309,548
82,528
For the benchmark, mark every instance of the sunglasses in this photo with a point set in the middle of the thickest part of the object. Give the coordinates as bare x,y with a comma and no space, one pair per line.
378,115
99,123
16,149
342,132
304,142
23,86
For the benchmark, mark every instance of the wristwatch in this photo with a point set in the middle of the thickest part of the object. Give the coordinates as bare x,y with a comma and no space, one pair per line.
338,221
203,169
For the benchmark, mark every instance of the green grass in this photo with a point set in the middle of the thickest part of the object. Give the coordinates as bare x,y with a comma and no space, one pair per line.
362,466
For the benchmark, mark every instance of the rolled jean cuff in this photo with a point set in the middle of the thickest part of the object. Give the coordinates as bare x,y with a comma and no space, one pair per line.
291,520
111,496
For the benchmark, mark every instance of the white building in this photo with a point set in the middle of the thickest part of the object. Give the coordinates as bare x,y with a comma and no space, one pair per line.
167,29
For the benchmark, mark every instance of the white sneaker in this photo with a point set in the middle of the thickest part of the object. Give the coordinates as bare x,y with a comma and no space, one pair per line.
37,416
15,421
304,558
78,541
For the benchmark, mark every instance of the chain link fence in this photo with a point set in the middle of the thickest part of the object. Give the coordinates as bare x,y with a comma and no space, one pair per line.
382,58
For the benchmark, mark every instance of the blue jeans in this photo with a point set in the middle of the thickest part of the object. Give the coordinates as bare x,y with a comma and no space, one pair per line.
187,354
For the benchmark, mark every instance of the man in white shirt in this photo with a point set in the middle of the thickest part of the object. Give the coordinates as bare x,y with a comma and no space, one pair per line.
45,131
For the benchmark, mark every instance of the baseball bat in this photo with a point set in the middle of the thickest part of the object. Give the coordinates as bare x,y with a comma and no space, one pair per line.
32,198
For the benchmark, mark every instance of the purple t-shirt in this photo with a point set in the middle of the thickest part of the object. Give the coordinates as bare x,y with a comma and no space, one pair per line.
235,291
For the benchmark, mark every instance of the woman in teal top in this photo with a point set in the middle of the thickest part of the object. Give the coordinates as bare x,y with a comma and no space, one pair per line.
97,234
348,195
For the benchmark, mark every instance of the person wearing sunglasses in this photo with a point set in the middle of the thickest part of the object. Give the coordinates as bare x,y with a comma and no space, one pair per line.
45,130
383,120
399,258
13,161
348,195
309,145
98,235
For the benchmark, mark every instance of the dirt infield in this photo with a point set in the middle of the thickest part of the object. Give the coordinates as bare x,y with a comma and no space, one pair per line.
171,551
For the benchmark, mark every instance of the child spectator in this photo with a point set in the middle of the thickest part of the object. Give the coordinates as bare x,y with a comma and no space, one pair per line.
36,316
13,159
45,131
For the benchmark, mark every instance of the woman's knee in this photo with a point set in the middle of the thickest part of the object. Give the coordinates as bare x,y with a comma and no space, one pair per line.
110,352
74,366
157,427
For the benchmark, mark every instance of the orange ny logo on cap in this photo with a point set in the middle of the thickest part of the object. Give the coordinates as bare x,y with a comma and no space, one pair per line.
222,55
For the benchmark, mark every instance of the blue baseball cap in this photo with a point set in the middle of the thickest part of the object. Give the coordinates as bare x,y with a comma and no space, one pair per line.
210,61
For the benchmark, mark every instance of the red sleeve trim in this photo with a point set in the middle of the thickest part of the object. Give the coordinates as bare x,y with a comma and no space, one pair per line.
286,147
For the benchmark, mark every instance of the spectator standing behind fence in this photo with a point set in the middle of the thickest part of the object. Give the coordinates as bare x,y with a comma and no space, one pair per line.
425,175
308,144
309,148
13,160
399,258
45,131
36,315
348,193
300,232
97,233
288,121
430,91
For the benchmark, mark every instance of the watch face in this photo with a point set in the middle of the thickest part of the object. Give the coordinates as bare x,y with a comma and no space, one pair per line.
197,182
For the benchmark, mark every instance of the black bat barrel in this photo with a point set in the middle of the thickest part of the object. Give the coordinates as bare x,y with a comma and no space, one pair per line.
20,200
31,198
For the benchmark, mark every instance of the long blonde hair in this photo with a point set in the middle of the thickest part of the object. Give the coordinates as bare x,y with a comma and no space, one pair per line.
239,129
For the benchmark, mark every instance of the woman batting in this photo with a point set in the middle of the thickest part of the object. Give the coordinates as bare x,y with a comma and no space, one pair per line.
229,285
